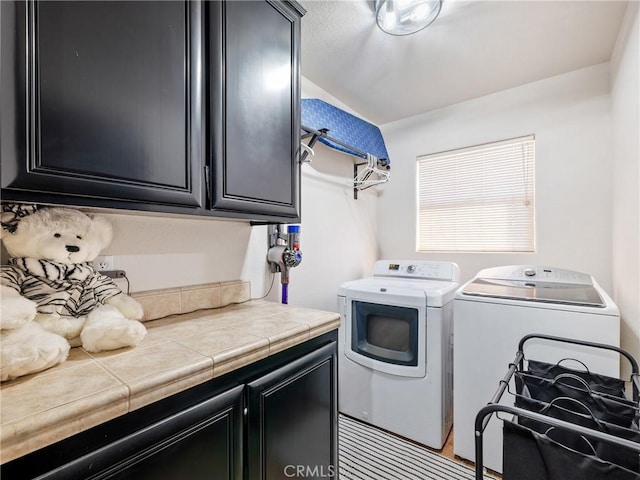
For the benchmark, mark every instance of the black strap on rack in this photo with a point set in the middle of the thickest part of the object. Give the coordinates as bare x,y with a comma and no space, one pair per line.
635,372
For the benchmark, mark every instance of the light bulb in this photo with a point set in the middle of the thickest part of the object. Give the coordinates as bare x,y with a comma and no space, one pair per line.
404,17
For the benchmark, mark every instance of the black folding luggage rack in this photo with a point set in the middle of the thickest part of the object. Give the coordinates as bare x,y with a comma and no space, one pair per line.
560,463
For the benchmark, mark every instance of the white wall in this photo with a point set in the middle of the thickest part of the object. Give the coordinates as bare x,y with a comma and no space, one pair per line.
625,100
338,232
338,238
570,117
164,252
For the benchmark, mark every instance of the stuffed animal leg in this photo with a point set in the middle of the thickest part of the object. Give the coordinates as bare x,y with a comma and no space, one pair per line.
65,326
107,328
29,349
129,307
15,310
26,346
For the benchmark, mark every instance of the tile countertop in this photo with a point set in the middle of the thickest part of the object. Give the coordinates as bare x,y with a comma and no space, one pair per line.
179,352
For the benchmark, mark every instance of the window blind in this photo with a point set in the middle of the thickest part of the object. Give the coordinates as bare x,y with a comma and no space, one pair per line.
479,198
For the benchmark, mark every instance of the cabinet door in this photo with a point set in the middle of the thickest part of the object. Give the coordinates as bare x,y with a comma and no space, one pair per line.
201,442
100,99
254,127
292,420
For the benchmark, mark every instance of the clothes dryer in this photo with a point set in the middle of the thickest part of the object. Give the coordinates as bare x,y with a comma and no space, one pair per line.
395,349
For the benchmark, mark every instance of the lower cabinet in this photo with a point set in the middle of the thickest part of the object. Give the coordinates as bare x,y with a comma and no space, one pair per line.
291,419
204,441
275,419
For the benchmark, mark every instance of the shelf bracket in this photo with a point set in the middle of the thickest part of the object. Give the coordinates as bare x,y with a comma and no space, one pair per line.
314,135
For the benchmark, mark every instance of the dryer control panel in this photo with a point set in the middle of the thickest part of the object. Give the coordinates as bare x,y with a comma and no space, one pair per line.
446,271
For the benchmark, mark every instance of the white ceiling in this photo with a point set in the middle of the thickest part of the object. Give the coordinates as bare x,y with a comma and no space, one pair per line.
474,48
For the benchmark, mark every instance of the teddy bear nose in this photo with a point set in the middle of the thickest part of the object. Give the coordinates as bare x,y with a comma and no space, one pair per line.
72,248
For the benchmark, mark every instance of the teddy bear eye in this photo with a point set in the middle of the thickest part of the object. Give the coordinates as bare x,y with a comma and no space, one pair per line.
57,235
78,237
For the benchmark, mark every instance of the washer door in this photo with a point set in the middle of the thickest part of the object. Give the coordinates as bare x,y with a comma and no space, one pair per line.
387,334
534,291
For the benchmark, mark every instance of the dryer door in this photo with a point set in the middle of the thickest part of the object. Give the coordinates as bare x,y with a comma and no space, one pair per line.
387,333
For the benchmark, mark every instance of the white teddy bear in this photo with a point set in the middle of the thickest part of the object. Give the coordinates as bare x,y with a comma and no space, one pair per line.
52,298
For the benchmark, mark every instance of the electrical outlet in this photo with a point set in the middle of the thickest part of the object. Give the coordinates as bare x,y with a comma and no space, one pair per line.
103,262
114,273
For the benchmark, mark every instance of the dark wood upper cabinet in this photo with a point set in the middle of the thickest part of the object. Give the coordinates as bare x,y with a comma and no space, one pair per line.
106,102
254,106
168,106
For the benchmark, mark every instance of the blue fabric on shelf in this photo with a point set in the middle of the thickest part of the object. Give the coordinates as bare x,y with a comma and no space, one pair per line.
344,127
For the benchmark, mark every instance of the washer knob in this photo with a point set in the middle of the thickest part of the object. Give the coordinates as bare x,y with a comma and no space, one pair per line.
529,272
411,268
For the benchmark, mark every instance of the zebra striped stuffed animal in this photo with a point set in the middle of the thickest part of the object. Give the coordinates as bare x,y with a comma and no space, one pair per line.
50,280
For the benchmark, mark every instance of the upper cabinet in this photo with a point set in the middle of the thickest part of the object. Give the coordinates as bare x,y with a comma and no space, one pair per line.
255,106
104,100
167,106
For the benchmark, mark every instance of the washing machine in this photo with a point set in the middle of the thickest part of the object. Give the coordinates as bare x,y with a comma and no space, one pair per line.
395,349
494,310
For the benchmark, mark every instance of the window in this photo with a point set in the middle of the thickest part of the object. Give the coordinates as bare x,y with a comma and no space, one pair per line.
478,198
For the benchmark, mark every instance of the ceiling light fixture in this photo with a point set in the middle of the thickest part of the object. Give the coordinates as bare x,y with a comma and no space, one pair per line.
404,17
